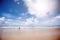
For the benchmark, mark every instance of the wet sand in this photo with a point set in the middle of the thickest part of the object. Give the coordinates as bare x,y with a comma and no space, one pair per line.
30,34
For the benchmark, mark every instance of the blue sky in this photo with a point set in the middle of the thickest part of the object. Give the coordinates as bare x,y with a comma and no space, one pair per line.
29,12
10,6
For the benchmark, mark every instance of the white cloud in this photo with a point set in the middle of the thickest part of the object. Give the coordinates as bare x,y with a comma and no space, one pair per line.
9,21
42,10
19,18
57,17
2,21
54,21
2,18
8,15
39,8
14,22
16,0
28,21
18,3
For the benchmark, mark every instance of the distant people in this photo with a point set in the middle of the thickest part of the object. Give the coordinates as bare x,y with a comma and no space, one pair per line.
19,28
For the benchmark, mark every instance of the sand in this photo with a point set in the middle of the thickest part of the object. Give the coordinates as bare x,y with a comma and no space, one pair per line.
29,34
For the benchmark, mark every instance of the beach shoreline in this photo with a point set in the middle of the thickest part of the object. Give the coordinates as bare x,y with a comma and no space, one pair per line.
29,33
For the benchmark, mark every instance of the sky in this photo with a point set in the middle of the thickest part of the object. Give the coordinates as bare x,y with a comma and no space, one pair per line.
29,13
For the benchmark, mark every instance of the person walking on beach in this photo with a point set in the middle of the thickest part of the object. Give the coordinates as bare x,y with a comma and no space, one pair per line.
19,28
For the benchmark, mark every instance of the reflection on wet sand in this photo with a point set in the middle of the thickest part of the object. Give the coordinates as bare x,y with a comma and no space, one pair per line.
29,34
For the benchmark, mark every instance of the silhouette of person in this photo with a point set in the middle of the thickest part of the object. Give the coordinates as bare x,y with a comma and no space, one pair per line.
19,28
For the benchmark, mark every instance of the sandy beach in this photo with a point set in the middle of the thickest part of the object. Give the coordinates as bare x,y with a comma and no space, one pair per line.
29,34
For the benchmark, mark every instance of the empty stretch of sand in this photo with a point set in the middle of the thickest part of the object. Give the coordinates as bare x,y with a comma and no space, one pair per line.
29,34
